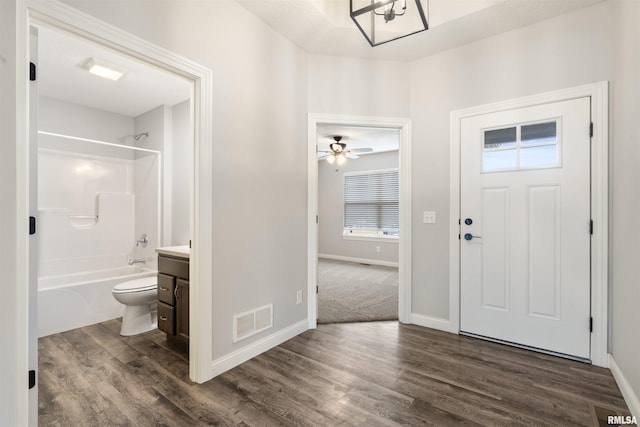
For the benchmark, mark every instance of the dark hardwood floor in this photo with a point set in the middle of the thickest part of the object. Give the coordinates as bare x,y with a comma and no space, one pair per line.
357,374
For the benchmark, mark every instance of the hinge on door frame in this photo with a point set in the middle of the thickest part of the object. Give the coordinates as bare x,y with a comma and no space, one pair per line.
591,129
317,289
317,219
32,379
590,324
32,225
32,72
590,226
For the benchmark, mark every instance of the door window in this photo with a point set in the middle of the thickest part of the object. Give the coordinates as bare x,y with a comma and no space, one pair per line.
521,147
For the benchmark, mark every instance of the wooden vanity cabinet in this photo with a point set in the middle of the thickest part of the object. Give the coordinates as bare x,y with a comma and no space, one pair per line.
173,297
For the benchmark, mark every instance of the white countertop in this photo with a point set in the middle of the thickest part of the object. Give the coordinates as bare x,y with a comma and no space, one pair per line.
179,251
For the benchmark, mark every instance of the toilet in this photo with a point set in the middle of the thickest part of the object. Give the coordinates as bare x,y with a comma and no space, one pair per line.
140,298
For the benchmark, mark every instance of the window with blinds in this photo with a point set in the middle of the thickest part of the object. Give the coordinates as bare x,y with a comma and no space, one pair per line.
371,203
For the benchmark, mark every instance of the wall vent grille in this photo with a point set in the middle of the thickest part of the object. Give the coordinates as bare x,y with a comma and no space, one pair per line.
252,322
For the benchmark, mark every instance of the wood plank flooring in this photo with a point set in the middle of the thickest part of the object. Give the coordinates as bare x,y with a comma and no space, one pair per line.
356,374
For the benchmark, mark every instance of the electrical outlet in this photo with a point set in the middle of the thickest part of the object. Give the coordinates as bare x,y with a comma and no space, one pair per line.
299,297
429,217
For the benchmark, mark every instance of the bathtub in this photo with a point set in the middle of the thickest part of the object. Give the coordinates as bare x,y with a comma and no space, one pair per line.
75,300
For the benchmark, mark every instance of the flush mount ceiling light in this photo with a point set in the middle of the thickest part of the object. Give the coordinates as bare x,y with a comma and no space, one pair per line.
103,69
385,20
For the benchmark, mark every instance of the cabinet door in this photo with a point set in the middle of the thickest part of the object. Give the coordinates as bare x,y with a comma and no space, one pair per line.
182,309
166,318
166,288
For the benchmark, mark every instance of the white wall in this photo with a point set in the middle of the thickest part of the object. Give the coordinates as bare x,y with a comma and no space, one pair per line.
625,176
259,188
181,173
562,52
331,210
72,119
352,86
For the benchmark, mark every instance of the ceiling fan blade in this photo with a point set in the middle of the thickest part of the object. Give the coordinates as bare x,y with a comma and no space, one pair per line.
361,150
323,156
351,156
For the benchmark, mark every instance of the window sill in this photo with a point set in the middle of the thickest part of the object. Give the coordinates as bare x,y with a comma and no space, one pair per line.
366,238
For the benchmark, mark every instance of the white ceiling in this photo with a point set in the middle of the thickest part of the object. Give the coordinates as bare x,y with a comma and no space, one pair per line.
316,26
61,75
324,26
378,139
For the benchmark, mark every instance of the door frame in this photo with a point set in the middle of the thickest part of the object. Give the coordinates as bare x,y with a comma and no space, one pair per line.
62,17
404,167
599,93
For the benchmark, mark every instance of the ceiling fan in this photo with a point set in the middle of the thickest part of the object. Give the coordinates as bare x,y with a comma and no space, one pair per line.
338,152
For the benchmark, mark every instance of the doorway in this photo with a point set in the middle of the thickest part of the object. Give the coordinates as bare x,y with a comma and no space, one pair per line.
60,17
525,207
402,126
112,180
358,227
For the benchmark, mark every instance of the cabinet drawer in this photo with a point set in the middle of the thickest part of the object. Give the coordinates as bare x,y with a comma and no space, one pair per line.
166,318
174,266
166,289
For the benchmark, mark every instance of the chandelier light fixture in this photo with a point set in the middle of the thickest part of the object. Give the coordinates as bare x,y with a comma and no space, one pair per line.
383,21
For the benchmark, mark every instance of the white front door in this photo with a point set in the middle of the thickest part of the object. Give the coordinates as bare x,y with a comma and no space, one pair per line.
525,226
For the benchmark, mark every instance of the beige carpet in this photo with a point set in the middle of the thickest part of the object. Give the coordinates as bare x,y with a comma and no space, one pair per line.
351,292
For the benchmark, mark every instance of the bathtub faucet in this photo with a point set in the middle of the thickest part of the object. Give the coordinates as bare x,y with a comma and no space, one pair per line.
136,261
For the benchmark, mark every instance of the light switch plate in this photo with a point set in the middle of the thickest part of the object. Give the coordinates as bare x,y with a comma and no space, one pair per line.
429,217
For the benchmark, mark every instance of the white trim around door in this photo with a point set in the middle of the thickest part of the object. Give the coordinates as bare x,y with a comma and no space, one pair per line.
598,92
60,16
404,256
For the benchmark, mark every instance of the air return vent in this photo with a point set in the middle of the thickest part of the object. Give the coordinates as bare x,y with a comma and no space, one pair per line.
252,322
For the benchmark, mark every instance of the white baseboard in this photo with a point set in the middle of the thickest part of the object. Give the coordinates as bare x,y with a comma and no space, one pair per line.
359,260
240,356
630,396
433,323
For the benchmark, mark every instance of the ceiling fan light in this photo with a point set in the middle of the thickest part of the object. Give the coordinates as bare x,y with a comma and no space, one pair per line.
331,159
341,159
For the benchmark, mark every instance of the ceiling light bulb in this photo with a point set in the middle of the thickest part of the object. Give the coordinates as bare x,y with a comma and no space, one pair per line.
103,69
341,159
331,159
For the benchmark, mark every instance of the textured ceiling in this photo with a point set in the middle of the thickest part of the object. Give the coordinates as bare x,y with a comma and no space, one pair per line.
316,26
324,26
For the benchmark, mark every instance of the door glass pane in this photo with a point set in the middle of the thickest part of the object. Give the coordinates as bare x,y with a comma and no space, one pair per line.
500,138
539,133
499,160
540,156
523,146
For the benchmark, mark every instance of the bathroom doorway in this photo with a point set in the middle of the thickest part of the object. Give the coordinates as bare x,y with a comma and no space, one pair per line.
113,176
59,18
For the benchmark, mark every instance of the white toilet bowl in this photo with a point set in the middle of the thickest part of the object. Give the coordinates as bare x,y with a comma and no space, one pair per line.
140,298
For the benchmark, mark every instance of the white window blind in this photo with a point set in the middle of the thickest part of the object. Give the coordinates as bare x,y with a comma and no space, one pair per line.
371,201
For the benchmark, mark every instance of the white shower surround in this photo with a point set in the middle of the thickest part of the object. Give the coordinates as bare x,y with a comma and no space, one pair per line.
88,199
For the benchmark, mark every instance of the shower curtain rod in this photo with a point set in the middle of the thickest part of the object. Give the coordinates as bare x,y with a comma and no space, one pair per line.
95,141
